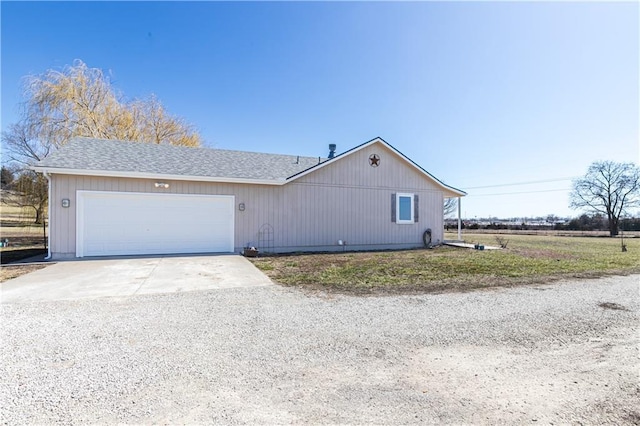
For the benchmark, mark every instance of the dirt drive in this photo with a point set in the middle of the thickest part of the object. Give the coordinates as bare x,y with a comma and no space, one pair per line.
559,353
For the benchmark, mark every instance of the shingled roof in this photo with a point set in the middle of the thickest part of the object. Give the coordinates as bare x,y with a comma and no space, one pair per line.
97,156
101,157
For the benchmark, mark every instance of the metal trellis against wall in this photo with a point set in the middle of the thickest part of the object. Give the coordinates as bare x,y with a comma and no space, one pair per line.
265,238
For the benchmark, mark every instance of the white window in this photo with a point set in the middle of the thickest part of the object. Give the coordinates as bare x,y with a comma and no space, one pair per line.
404,208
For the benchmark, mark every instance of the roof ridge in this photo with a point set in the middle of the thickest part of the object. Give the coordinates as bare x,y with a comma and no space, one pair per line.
182,147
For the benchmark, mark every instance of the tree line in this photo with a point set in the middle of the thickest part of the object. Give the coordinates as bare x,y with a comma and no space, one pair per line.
598,222
584,222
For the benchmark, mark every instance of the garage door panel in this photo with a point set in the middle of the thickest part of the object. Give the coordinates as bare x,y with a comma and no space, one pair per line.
112,223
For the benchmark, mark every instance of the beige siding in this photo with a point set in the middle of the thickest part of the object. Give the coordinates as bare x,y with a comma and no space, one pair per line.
262,203
348,200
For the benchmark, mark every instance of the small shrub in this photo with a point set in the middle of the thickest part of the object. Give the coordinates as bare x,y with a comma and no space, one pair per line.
503,242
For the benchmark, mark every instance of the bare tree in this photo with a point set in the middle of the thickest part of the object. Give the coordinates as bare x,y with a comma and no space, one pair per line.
450,206
23,147
79,101
28,190
7,177
608,188
157,126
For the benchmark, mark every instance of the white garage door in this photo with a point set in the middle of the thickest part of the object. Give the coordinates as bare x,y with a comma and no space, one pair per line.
119,223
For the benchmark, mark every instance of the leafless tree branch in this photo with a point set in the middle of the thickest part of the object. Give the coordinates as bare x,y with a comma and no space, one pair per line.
609,188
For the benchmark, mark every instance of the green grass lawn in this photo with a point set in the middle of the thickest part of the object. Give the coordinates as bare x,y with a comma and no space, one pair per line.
526,260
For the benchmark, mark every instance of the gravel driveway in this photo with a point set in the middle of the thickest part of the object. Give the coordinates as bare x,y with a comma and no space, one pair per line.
278,355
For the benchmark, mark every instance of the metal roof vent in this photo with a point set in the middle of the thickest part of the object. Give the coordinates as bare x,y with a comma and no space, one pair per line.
332,150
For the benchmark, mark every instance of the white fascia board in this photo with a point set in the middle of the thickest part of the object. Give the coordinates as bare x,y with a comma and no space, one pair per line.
454,191
139,175
451,192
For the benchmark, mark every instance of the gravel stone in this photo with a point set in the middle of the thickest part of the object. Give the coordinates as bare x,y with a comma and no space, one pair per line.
276,355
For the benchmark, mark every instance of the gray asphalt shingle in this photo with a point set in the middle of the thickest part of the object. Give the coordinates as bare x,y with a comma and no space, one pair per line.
136,157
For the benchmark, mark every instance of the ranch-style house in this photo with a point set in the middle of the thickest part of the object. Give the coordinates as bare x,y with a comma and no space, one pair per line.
109,198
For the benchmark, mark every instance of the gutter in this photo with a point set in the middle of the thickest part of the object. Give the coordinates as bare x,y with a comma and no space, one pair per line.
46,174
145,175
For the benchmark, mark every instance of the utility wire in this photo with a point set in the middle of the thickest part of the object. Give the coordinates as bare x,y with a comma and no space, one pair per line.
523,183
519,192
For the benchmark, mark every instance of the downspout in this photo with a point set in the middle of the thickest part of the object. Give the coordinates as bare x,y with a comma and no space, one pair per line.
46,175
459,219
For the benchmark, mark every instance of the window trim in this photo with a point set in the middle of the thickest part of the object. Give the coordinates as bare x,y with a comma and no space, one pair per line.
412,208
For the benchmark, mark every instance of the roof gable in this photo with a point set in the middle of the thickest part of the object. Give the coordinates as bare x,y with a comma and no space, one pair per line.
409,163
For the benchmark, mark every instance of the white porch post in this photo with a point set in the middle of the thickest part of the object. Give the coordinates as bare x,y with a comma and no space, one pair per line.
459,219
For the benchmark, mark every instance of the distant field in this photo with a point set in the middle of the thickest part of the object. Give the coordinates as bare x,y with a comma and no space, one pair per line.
528,259
25,238
453,233
17,221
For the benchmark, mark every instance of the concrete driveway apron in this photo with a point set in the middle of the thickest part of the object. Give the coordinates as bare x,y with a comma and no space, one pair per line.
83,279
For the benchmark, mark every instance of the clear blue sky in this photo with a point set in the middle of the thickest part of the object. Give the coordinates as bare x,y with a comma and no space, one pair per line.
479,94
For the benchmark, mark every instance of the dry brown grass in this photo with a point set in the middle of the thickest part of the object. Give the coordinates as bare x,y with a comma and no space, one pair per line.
527,260
26,239
17,224
8,272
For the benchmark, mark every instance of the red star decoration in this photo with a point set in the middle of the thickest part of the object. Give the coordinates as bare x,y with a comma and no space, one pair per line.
374,160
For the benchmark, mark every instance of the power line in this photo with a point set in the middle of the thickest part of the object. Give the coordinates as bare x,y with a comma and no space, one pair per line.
519,192
523,183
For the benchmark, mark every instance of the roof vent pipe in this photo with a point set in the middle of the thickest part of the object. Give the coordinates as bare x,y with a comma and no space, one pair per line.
332,150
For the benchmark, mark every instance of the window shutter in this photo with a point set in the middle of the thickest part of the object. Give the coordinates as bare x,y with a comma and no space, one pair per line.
393,208
416,208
